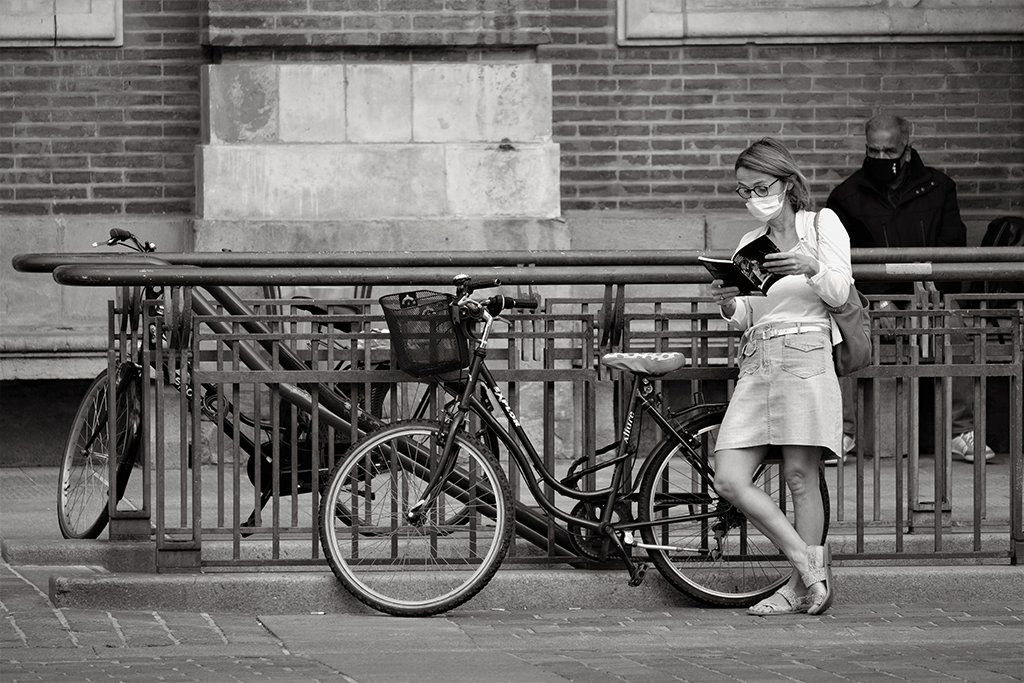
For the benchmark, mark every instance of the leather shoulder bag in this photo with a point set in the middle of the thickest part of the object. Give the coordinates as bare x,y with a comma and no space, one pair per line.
854,322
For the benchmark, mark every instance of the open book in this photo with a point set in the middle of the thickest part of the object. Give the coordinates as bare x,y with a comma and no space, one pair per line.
745,270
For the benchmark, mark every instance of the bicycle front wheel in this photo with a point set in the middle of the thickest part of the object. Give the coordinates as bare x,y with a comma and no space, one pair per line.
712,552
84,478
426,563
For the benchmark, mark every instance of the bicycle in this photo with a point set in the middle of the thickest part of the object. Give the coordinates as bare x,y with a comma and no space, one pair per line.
418,516
83,482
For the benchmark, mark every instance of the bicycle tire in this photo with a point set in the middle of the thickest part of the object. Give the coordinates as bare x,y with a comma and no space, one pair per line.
83,483
741,567
406,569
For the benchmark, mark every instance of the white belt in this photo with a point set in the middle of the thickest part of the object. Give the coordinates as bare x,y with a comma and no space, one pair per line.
769,332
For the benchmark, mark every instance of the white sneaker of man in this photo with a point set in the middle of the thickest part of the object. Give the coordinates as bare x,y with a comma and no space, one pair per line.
963,447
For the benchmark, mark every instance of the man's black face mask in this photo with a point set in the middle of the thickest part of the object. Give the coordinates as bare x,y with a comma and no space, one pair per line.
884,171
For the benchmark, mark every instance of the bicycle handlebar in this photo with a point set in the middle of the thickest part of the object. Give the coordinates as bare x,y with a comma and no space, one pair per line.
498,303
470,310
474,309
121,236
464,286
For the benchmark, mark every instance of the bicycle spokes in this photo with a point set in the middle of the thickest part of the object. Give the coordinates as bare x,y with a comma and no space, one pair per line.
85,485
399,550
704,546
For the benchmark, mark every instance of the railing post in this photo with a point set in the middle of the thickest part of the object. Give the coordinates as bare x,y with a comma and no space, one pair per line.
1017,441
174,555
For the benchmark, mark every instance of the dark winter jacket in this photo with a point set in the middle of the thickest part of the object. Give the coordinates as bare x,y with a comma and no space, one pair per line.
922,213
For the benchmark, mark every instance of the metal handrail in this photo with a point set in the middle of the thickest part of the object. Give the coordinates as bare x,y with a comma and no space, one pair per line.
105,275
47,262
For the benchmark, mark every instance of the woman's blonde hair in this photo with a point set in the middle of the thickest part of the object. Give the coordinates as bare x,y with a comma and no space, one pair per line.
769,156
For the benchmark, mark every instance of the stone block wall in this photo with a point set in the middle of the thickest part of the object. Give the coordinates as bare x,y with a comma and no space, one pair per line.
311,141
294,143
49,331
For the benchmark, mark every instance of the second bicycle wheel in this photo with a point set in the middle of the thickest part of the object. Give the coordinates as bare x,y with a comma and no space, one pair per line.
719,558
426,563
83,486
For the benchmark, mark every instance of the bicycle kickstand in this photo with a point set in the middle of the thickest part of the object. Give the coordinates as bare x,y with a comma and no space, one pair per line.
637,570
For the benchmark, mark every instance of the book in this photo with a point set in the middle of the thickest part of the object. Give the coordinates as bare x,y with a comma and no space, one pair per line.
746,268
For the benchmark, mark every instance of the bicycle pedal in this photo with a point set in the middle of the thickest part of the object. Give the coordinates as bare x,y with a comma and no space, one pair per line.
638,575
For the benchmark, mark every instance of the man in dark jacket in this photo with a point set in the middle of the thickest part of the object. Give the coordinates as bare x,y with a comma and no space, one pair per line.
894,200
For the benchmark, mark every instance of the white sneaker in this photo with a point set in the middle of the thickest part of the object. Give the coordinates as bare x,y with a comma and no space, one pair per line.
849,444
963,447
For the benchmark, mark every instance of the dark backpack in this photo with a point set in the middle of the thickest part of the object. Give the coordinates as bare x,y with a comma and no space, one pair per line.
1006,231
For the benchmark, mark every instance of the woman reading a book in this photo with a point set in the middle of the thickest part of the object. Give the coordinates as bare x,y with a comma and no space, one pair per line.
787,396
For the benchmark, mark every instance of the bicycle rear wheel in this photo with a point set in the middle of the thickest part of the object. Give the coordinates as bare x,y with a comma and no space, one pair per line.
83,484
430,564
720,558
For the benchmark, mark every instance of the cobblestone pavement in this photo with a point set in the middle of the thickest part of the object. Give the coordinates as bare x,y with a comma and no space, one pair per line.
42,643
980,643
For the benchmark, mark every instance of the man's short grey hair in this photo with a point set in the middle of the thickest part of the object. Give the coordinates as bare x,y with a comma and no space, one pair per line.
889,122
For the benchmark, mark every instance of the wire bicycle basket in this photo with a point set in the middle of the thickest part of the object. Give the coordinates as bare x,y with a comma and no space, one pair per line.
425,340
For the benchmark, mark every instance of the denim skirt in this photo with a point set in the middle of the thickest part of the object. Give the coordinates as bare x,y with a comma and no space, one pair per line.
787,394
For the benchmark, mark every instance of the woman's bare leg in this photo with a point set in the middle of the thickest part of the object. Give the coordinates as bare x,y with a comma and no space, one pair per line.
734,481
800,468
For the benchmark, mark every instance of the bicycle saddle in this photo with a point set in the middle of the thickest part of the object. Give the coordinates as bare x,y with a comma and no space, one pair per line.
644,363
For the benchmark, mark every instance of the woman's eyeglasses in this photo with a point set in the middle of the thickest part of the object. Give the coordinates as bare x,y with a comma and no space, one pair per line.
759,190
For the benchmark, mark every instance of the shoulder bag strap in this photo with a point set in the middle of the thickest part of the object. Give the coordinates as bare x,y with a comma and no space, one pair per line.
817,234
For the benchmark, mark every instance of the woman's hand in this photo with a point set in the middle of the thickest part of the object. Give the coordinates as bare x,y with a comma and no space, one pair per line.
787,263
724,296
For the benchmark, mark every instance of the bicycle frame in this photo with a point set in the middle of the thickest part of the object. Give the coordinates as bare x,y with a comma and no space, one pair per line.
151,348
526,457
331,407
295,394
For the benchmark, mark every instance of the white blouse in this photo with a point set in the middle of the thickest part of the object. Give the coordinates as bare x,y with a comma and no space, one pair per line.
800,298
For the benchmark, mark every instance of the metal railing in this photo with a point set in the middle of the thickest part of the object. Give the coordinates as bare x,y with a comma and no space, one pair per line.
286,369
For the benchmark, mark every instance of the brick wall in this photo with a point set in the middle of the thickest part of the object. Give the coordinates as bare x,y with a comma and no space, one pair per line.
659,128
112,131
371,23
102,130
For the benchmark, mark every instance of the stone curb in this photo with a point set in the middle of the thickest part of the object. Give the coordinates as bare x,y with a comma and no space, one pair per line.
115,556
511,589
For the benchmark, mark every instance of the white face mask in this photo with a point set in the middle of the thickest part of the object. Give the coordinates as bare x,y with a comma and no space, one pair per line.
765,208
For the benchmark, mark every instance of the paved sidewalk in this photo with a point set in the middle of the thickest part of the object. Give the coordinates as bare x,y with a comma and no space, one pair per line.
977,643
30,536
945,624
